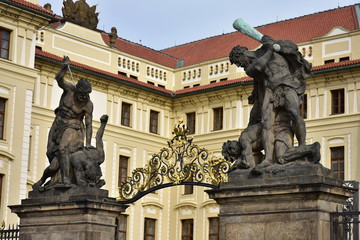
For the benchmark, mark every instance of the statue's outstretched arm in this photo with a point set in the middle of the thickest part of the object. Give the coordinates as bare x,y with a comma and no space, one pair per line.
61,74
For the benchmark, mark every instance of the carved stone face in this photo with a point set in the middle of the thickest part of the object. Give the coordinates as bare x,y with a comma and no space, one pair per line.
241,57
231,150
82,90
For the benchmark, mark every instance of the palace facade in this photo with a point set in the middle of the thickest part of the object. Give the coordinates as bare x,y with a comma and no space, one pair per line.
145,92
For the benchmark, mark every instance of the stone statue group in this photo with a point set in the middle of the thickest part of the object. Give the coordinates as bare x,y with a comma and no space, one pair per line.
279,73
72,163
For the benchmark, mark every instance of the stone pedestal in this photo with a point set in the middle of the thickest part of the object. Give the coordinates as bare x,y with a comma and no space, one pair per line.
294,203
64,214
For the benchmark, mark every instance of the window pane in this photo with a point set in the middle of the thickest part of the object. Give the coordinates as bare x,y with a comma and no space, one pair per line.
2,105
149,228
303,107
5,34
334,166
123,168
2,117
4,53
338,161
154,121
121,227
5,37
125,114
187,229
341,165
218,118
5,44
191,122
214,228
122,236
337,101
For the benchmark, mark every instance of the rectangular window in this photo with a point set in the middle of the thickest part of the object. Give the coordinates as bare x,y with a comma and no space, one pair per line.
218,118
303,107
2,117
329,61
121,223
190,118
5,43
125,114
1,186
154,121
188,189
337,101
214,228
149,229
187,229
337,161
122,73
123,168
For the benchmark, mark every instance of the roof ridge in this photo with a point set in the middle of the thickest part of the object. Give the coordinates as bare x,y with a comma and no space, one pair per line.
306,15
159,51
214,36
36,7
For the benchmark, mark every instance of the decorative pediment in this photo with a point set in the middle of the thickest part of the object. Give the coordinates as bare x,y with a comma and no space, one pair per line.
80,13
336,31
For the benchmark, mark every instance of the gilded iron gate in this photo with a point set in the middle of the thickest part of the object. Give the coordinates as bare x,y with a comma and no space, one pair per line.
181,162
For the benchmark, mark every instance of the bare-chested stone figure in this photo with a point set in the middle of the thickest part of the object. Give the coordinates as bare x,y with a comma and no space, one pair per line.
68,130
279,82
279,72
279,85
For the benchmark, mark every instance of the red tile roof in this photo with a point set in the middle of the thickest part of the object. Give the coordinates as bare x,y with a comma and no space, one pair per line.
298,30
336,65
213,85
142,51
51,56
32,6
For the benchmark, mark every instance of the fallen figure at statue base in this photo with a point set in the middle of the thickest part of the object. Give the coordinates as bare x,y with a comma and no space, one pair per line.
85,166
308,153
246,152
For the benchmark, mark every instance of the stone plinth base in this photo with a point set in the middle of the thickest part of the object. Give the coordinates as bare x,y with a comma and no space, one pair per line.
295,203
64,214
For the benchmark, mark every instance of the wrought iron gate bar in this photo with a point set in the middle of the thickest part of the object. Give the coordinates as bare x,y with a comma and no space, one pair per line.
182,162
344,223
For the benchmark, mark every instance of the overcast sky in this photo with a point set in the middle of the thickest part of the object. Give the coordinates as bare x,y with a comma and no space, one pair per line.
160,24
